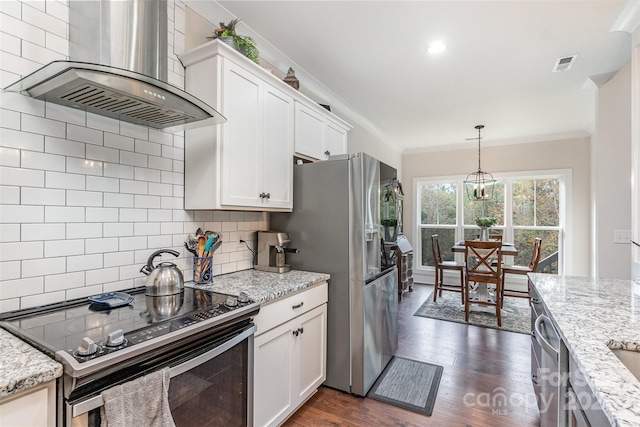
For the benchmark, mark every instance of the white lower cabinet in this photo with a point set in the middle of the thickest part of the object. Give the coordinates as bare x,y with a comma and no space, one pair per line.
33,408
289,355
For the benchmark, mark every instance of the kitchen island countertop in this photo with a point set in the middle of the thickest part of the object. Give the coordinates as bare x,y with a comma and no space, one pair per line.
263,286
23,367
593,315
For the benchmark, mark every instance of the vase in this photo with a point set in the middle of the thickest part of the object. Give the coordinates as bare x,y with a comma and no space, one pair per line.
231,41
484,234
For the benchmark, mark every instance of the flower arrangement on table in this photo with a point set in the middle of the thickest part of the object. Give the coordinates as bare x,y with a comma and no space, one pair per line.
486,221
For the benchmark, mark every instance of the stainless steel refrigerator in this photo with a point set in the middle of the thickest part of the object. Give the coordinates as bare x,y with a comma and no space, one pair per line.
335,224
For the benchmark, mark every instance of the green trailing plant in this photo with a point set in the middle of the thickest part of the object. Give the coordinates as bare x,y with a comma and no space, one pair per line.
486,222
246,45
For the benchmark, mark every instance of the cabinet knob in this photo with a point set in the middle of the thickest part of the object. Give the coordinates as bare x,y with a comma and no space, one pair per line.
268,195
301,329
262,195
296,332
327,153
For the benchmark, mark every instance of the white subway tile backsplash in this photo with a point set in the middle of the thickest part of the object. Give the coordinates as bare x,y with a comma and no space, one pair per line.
115,259
44,126
53,248
65,114
84,198
84,134
19,64
8,118
42,20
106,124
102,215
12,303
35,232
23,177
105,154
58,10
120,229
85,230
20,251
21,287
10,44
21,103
83,166
113,200
129,272
10,270
36,160
22,29
182,215
133,159
98,246
146,147
63,214
172,152
12,8
21,214
172,177
43,266
38,4
161,241
40,54
41,299
59,282
161,137
178,140
145,174
118,171
118,141
157,215
10,195
57,44
84,292
42,196
64,147
133,243
178,191
68,181
133,215
9,232
204,216
171,228
96,183
134,187
172,203
178,166
221,216
102,275
146,228
25,141
156,189
160,163
117,286
146,202
134,131
84,262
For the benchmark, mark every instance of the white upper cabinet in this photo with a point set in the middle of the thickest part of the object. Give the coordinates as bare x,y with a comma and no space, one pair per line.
245,163
318,133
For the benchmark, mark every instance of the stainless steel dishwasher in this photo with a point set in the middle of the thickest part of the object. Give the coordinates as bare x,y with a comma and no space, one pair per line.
545,362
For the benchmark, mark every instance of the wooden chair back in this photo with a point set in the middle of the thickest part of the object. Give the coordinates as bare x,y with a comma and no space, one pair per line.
435,248
484,261
535,254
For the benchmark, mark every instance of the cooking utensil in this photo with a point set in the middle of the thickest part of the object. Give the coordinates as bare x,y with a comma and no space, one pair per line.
202,241
164,278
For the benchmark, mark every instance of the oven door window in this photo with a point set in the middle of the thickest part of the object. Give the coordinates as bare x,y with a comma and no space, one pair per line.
213,393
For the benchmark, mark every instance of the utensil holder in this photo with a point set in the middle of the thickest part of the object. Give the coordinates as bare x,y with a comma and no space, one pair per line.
203,269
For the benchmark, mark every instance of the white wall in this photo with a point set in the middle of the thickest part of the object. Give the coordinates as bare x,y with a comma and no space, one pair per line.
612,175
563,154
85,199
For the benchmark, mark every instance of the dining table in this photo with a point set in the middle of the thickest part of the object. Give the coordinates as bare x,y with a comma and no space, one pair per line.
508,249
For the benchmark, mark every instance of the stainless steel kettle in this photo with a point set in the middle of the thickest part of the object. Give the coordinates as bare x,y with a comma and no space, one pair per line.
164,278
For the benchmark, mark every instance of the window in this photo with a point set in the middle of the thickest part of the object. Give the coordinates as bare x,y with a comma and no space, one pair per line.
527,206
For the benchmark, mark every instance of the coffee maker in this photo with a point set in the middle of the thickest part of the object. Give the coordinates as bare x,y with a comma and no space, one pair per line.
272,246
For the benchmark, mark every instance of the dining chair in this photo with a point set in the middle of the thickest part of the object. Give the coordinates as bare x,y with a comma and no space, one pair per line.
522,270
484,268
441,265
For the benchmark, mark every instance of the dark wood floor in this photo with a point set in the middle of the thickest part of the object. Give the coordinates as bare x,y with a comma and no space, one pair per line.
485,380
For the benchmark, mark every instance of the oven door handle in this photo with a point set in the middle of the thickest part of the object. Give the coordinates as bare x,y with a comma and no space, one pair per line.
203,358
96,401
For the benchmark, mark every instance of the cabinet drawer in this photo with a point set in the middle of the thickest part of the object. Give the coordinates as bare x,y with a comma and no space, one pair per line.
282,310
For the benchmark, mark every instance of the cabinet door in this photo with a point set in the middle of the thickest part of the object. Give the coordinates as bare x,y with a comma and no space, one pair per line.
310,345
273,371
241,152
309,132
34,408
335,140
278,149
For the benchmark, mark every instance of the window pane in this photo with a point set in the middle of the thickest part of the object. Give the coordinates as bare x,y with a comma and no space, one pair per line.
524,243
438,203
547,202
523,203
446,237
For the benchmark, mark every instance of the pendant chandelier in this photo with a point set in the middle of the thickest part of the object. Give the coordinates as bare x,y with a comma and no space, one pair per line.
479,184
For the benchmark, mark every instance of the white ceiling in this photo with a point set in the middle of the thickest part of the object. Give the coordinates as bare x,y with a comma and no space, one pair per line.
495,71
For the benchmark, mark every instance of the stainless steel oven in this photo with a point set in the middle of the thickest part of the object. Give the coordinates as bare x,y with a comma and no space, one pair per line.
206,342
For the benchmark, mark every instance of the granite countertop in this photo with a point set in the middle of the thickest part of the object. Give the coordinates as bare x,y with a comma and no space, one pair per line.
263,286
593,315
22,366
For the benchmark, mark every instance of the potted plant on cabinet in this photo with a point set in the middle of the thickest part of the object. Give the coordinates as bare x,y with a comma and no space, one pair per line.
244,44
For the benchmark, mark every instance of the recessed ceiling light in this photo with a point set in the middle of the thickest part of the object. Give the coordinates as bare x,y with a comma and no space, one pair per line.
436,47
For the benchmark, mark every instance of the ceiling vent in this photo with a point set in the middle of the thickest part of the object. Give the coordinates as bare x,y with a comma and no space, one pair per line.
564,64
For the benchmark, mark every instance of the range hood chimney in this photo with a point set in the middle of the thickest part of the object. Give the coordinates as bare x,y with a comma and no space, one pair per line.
118,68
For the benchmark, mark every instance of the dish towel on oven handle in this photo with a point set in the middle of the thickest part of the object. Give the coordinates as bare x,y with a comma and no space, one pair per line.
141,402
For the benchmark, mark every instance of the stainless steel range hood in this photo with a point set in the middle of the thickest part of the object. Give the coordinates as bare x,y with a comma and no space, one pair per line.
119,68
